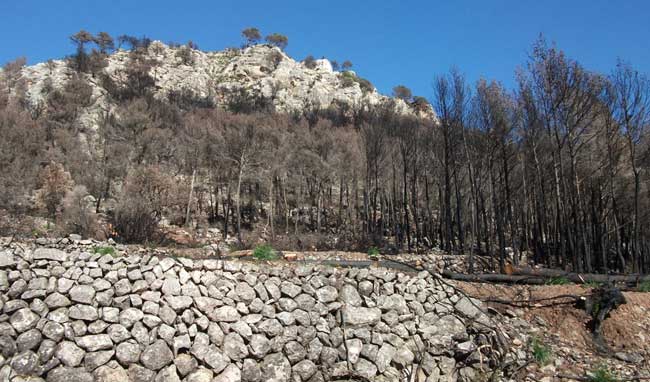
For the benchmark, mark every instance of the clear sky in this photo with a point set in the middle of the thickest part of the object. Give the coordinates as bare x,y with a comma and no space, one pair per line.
389,42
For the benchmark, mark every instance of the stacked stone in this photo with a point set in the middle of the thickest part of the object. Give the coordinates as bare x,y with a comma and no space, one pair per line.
82,317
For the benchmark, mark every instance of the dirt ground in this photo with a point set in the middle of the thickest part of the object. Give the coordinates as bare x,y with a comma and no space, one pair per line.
564,328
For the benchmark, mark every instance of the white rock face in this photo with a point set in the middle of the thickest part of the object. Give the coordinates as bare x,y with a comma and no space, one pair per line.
261,70
324,65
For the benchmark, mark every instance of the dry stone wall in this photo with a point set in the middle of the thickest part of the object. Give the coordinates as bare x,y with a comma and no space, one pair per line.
68,314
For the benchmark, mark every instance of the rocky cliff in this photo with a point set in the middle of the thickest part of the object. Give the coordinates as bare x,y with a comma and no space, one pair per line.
260,70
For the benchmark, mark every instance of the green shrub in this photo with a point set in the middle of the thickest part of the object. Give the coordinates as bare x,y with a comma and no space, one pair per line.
366,86
310,62
185,54
373,252
560,280
104,250
602,374
644,286
265,252
593,284
541,352
348,79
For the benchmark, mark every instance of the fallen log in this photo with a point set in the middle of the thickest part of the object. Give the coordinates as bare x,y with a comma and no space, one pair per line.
581,278
495,278
543,276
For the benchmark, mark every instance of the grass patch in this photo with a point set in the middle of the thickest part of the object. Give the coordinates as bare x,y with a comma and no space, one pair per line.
541,352
373,252
602,374
106,250
560,280
265,252
592,284
644,287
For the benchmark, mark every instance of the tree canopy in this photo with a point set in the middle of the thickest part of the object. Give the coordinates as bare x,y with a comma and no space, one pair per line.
279,40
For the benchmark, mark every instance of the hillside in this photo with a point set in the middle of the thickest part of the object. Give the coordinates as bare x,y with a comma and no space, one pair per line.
260,71
249,146
168,213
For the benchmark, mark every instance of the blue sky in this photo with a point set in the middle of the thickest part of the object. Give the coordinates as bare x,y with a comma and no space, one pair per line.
389,42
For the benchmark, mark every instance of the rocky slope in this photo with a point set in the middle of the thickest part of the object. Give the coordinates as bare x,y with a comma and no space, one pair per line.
70,314
261,70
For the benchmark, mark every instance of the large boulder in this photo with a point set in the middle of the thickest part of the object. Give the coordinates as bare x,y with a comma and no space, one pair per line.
276,368
23,320
83,294
234,346
7,259
95,342
69,374
111,372
50,254
157,355
358,316
69,353
230,374
226,314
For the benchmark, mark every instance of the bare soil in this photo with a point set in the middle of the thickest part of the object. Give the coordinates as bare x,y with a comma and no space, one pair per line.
564,328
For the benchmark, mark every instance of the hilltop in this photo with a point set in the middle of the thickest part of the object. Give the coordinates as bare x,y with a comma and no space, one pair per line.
262,74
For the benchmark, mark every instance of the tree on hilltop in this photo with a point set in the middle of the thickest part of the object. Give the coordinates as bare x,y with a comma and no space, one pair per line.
134,42
80,39
252,36
309,62
104,41
420,103
279,40
403,93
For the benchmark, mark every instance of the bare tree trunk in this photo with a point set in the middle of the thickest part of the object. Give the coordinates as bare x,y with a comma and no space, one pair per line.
227,208
340,214
448,244
271,209
635,236
318,206
286,207
238,201
189,199
459,214
496,208
407,225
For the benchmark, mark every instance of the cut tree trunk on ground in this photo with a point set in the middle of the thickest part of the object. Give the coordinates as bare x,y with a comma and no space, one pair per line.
495,278
542,276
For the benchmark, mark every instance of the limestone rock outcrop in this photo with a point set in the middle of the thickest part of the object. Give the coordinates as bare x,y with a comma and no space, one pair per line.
260,70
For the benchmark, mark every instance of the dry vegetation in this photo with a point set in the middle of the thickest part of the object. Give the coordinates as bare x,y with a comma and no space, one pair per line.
556,172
